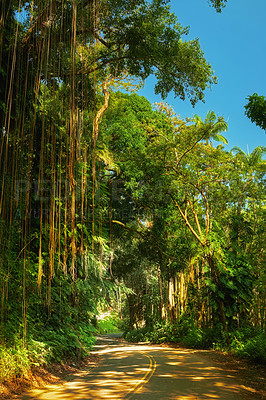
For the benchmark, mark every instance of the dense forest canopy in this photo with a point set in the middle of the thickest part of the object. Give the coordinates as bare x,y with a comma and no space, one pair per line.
108,201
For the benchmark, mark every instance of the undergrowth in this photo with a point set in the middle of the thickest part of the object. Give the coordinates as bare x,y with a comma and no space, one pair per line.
109,324
249,343
53,345
16,360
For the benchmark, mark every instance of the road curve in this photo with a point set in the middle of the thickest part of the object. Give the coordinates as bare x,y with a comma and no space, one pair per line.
143,372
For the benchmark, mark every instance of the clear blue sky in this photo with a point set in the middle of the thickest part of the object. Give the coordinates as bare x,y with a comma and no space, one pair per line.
234,43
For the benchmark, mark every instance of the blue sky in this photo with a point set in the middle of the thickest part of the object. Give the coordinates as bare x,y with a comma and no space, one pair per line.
234,43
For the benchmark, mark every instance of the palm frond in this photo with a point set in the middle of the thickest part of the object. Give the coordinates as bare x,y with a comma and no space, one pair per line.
255,157
238,150
198,121
211,117
220,138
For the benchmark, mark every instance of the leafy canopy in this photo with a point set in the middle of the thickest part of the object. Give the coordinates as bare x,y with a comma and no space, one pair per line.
255,110
137,37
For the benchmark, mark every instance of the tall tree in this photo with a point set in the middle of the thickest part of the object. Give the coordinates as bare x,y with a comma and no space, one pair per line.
178,178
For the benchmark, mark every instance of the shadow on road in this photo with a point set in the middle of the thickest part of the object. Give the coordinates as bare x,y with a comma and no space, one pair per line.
129,371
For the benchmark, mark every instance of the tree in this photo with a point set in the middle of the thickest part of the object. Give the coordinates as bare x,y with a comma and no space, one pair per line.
247,220
185,187
252,167
140,37
80,161
255,110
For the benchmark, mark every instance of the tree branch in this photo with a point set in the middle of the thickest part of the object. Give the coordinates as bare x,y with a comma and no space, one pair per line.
190,148
196,217
184,216
102,109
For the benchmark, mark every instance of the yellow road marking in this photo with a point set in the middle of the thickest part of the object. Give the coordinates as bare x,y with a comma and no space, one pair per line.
145,379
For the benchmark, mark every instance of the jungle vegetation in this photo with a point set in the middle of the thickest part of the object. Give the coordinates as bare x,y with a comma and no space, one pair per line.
109,202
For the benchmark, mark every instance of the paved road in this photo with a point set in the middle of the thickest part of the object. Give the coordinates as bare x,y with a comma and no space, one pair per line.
143,372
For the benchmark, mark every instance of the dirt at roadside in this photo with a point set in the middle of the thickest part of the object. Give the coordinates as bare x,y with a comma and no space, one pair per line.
42,376
251,377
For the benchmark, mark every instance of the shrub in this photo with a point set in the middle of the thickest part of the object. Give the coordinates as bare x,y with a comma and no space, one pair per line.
160,333
254,349
193,338
13,363
17,359
38,352
67,342
136,335
109,324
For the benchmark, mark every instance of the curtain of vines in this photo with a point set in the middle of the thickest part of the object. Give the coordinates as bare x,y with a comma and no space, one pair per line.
48,139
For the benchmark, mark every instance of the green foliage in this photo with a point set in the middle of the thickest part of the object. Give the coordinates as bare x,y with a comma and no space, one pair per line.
109,324
218,4
254,348
54,333
247,342
17,359
13,363
194,338
149,184
147,40
68,342
184,332
136,335
199,204
53,344
255,110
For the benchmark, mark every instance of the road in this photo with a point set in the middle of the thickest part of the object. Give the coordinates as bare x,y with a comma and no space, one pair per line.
143,372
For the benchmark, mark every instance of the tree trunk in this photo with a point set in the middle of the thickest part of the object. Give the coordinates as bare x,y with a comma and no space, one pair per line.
220,303
160,284
181,292
171,290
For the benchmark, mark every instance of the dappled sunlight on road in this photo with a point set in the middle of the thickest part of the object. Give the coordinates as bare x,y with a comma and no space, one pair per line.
144,372
181,375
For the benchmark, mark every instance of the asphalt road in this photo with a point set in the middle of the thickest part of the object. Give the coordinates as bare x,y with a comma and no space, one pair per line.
143,372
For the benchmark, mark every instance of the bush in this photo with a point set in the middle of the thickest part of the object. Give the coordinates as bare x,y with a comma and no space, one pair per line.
38,352
16,360
109,324
254,349
67,342
160,333
13,363
193,338
136,335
